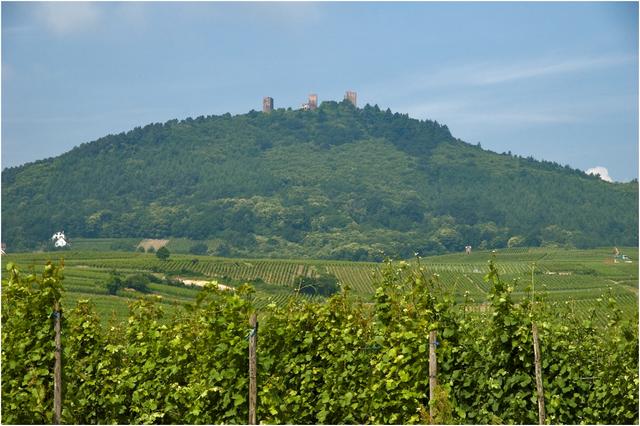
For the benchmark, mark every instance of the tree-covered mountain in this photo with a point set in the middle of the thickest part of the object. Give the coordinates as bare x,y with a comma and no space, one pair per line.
336,182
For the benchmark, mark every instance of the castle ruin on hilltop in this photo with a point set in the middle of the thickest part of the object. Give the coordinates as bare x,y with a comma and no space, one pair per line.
311,104
267,104
351,96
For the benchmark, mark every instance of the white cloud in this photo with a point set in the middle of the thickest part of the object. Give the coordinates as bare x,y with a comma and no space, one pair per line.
69,17
476,112
600,171
494,73
542,68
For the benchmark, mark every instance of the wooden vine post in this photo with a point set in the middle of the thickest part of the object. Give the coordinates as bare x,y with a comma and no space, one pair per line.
57,369
253,389
539,389
433,371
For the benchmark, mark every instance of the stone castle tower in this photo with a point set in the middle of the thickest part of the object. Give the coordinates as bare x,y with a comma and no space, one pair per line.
351,97
312,104
313,101
267,104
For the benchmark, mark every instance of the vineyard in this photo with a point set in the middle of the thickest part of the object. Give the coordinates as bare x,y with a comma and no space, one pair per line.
334,361
576,279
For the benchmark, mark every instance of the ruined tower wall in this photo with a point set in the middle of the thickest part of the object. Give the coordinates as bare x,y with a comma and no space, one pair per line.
267,104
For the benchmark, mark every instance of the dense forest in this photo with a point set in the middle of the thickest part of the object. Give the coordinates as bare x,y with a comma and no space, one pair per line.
337,182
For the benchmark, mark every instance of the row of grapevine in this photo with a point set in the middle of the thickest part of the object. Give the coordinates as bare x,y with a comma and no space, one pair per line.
334,362
359,278
480,268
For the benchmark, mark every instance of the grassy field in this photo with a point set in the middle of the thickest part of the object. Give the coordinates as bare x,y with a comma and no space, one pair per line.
574,278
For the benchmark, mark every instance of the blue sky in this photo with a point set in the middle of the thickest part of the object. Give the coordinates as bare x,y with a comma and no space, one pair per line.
558,81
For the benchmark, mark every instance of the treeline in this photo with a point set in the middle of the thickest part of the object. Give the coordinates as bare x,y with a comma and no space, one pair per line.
342,361
338,182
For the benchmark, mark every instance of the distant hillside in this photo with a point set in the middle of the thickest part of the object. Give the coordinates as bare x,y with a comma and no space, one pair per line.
337,182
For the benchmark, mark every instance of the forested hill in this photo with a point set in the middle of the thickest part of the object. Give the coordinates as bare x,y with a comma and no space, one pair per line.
337,182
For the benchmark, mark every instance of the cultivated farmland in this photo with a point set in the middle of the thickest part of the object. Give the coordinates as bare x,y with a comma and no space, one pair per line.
575,279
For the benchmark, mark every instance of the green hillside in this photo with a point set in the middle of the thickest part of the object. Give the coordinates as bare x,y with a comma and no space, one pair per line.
336,183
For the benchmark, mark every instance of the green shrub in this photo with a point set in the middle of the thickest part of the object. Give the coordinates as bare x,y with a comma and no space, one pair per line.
199,249
138,282
114,283
163,253
323,285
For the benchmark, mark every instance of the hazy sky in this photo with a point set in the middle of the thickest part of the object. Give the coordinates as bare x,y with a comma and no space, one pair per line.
558,81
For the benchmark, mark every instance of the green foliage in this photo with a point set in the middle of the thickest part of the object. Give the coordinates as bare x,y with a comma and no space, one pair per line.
343,361
199,248
123,245
89,384
138,282
323,284
163,253
114,283
28,347
442,407
339,183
